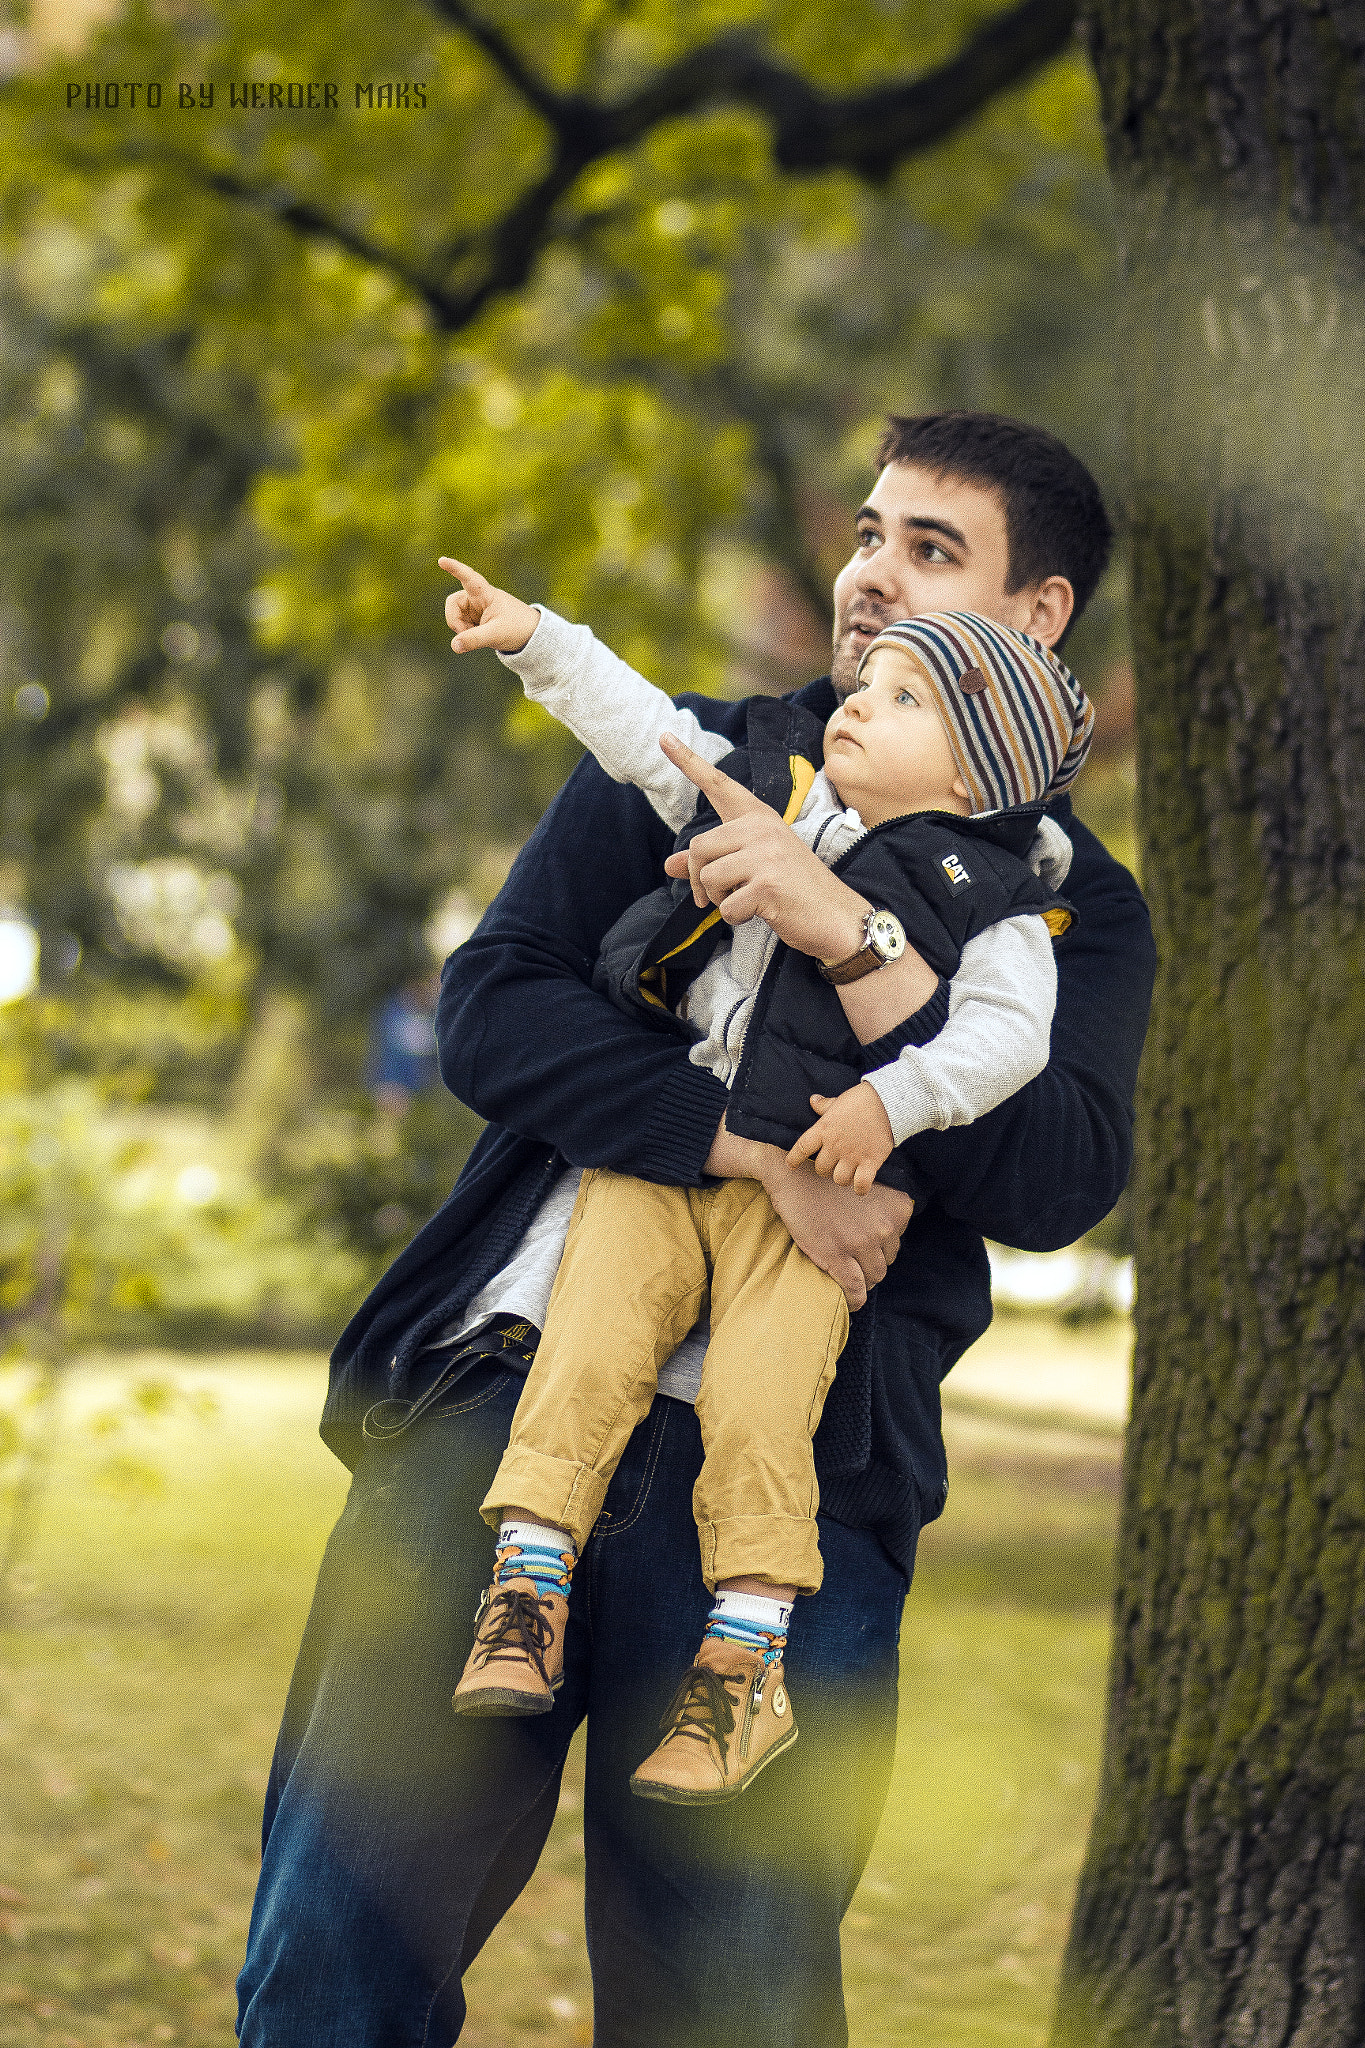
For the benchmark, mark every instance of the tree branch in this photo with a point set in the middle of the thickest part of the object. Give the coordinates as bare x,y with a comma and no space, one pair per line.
496,47
447,308
783,528
868,133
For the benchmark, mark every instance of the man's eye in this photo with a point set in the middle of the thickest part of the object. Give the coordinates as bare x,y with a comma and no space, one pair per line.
934,553
868,537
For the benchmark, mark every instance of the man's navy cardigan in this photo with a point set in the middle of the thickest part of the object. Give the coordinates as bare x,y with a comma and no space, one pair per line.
562,1075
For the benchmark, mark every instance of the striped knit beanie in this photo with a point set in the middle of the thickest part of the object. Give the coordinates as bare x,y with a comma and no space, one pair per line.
1017,720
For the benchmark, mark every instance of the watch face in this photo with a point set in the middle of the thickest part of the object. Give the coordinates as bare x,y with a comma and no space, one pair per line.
886,935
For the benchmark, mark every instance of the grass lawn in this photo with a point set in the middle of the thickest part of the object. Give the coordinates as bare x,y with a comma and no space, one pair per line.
140,1693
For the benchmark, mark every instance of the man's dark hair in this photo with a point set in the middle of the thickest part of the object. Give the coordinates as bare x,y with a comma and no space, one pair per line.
1055,521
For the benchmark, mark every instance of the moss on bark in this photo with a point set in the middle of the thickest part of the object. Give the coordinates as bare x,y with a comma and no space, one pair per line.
1223,1900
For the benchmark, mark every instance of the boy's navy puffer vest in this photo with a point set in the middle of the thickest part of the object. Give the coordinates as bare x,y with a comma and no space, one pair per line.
946,878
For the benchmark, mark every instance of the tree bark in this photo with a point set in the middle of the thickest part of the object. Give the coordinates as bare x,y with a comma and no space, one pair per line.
1223,1900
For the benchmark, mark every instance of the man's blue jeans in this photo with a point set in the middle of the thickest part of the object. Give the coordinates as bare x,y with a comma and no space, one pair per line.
397,1833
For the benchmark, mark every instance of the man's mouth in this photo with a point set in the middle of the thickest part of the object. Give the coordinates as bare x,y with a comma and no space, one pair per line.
863,631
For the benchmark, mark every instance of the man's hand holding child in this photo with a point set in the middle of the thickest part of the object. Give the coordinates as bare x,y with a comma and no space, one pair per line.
849,1141
481,615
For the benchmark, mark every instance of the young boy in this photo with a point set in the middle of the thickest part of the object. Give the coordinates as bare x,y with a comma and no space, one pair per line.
959,730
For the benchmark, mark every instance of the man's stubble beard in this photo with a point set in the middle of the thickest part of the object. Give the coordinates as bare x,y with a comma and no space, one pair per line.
843,671
843,667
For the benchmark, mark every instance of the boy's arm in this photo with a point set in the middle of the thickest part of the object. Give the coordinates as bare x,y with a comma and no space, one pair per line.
995,1041
616,714
1048,1164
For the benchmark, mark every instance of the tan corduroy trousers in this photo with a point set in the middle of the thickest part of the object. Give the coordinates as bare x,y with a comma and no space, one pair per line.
639,1263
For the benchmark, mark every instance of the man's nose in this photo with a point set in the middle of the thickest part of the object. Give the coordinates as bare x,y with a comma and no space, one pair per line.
876,577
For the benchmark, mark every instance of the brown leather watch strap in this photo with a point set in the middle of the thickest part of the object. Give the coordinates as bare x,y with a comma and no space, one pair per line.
864,961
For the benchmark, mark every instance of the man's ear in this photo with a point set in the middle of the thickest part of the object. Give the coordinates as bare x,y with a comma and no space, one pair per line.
1053,603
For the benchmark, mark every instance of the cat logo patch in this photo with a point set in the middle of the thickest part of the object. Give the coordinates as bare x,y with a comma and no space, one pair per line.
955,869
779,1702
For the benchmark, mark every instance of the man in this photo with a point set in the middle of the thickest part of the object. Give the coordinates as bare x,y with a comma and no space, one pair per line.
396,1833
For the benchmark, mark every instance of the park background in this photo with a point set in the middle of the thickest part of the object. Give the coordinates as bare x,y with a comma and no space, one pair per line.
259,369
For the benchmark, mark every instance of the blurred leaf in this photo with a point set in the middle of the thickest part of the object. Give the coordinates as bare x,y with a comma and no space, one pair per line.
154,1396
129,1479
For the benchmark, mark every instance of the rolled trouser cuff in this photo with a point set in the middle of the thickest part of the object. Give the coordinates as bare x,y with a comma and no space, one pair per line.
783,1548
555,1490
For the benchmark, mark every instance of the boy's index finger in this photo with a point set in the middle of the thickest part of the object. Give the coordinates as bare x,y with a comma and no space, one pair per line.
469,577
728,798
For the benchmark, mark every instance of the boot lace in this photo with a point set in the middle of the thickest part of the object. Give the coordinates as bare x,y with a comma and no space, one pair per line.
514,1625
702,1707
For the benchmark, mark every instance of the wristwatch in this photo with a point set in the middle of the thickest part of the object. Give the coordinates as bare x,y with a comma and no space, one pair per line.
883,942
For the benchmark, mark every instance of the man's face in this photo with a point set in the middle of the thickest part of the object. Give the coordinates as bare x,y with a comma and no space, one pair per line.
929,544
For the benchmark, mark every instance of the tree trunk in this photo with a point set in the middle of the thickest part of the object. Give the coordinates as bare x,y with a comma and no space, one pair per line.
1223,1898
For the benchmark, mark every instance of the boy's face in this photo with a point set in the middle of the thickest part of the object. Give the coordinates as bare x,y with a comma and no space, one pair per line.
886,751
933,544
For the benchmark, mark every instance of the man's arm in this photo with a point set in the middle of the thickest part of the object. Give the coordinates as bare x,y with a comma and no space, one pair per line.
525,1039
851,1236
1052,1161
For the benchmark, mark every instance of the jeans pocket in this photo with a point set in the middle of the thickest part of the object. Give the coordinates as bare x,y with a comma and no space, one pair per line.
628,1493
470,1396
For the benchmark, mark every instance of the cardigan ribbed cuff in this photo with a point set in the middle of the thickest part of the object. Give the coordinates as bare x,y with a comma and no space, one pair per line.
690,1105
925,1024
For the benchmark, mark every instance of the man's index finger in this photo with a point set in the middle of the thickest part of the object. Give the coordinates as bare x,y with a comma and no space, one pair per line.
728,798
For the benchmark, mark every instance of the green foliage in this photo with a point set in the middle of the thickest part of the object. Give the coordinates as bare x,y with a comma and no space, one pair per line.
98,1241
366,1177
238,422
235,448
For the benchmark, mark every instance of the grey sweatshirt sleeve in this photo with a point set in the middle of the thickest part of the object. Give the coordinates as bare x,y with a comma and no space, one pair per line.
997,1036
617,715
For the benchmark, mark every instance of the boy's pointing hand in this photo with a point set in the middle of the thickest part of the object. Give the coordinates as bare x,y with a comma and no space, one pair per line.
481,615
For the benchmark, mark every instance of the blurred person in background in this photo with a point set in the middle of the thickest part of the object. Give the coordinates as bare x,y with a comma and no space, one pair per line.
402,1057
396,1833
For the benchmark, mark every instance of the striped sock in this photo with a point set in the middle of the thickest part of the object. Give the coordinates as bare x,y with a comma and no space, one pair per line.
753,1621
533,1550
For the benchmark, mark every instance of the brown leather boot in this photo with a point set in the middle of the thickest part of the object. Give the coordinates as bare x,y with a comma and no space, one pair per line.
730,1716
517,1663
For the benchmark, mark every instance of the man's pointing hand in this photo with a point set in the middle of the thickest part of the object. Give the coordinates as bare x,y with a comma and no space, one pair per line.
752,865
